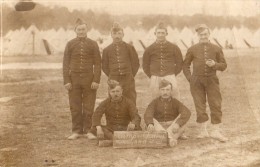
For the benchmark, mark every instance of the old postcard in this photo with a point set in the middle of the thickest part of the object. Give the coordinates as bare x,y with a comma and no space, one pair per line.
130,83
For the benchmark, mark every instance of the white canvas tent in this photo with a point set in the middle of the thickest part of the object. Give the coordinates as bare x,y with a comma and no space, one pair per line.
27,42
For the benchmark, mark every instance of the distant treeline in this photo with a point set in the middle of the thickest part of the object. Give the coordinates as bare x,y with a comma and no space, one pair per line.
45,18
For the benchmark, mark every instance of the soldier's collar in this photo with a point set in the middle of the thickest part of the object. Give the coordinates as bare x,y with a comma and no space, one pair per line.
161,42
118,43
165,100
205,42
82,38
116,101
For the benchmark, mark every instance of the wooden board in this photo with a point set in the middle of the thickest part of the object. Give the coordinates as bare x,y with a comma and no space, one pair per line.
105,143
139,139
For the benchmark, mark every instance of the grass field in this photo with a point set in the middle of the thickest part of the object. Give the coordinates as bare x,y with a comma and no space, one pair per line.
35,122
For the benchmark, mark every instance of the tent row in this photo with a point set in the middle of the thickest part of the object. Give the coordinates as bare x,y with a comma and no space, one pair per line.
32,41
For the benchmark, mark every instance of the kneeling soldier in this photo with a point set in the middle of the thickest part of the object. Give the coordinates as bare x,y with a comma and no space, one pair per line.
121,113
166,113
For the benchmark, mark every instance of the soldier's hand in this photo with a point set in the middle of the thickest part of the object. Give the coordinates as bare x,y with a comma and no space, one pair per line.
150,128
68,86
94,85
175,128
131,126
100,133
210,62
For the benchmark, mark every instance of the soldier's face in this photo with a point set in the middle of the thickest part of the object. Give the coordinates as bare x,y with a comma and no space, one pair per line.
81,30
117,36
160,34
166,92
204,35
116,93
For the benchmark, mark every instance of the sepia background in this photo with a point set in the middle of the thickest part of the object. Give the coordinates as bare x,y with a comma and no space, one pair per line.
34,110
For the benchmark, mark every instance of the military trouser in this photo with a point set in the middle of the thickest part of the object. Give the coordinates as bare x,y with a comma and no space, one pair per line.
206,88
82,101
128,83
167,127
109,131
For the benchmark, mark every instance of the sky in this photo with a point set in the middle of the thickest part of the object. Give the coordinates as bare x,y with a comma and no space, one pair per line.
174,7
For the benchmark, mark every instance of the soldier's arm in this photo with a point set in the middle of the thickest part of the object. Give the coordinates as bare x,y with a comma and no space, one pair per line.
149,113
178,60
221,64
133,112
97,115
66,65
105,62
186,64
184,113
146,63
97,64
134,60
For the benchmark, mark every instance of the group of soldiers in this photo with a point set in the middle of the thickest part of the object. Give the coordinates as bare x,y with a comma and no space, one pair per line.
162,62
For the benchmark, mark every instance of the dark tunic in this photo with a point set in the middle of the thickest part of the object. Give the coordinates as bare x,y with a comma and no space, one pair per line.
161,59
164,110
82,56
118,114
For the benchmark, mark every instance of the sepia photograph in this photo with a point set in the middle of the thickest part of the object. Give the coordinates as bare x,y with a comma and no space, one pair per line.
130,83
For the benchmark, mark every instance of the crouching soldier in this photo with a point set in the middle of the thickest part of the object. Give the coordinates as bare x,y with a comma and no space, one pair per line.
121,113
166,113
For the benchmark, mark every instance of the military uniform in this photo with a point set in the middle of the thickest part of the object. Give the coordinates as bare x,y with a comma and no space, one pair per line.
118,115
120,62
162,60
164,110
164,114
204,83
81,67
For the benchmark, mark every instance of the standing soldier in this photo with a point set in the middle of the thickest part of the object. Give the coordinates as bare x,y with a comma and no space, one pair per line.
120,62
162,60
204,83
81,73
